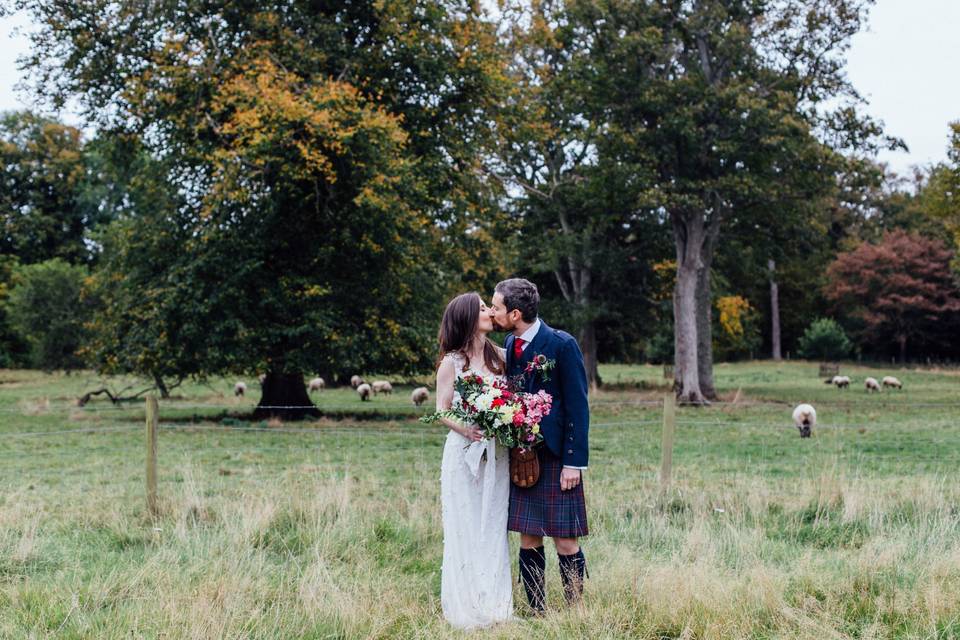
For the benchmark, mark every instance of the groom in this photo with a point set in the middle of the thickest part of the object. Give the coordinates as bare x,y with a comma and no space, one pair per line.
555,505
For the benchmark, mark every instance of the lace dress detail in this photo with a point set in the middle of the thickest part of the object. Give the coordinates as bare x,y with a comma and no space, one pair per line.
476,589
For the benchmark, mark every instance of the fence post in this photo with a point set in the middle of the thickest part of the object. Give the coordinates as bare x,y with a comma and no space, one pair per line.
666,441
153,418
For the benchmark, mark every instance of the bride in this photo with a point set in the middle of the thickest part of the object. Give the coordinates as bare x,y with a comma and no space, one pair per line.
475,586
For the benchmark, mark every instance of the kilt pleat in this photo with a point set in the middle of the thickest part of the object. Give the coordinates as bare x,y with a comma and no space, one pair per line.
545,510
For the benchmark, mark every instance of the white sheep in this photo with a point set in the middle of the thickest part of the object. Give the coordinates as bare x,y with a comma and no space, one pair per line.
317,384
419,396
871,385
890,381
355,381
841,382
364,391
805,417
382,386
239,389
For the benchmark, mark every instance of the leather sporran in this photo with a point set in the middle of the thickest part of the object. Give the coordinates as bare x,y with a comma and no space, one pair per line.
524,467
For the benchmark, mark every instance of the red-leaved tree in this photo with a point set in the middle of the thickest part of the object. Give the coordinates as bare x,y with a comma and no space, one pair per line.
901,290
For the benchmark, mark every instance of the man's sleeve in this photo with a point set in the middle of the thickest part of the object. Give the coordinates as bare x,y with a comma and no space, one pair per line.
573,386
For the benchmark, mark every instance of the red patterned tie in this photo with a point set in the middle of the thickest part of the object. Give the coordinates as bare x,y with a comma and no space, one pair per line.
518,348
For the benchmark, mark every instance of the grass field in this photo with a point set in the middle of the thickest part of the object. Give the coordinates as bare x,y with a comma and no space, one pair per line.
331,529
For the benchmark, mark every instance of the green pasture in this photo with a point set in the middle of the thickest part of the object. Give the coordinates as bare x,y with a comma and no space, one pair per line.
331,528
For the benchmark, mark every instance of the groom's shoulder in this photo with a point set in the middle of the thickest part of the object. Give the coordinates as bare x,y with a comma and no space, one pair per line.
562,337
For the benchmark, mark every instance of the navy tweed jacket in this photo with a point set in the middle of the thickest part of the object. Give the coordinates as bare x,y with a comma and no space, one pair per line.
565,430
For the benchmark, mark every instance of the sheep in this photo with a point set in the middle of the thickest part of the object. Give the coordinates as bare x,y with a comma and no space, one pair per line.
871,385
364,391
239,389
841,382
382,386
890,381
805,417
419,396
356,381
317,384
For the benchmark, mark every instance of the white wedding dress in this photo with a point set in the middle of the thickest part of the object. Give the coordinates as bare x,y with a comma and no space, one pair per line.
476,589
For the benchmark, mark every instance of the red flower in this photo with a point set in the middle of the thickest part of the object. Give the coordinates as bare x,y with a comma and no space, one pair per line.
497,402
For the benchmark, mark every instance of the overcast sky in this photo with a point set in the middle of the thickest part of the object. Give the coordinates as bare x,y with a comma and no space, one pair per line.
905,65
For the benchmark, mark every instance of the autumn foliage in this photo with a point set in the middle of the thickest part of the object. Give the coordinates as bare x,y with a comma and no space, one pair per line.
900,291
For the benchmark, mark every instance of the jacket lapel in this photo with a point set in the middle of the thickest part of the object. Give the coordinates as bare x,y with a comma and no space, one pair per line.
539,342
535,347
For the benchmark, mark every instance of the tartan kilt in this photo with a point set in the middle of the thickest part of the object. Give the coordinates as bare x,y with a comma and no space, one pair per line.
545,510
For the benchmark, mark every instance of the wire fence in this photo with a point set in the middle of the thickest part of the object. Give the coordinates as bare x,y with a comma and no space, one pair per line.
321,445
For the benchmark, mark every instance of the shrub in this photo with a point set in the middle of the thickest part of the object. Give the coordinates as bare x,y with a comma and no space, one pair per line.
824,339
44,307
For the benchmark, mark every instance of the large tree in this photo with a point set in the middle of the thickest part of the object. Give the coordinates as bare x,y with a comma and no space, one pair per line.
899,292
724,102
940,194
581,231
43,211
322,161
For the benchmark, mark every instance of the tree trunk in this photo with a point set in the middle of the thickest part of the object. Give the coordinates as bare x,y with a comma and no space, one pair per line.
686,366
774,311
705,333
283,390
902,340
574,282
688,237
588,345
164,391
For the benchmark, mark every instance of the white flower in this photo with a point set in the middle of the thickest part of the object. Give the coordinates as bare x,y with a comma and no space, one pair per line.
483,401
506,412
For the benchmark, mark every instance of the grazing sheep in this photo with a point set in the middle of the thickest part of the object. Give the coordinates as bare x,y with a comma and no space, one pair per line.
419,396
364,391
382,386
317,384
355,381
239,389
841,382
890,381
871,384
805,417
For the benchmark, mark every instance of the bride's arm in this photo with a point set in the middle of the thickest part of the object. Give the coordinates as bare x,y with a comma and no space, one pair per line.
446,375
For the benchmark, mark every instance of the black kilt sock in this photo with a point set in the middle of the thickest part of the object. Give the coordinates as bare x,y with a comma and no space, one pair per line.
572,569
533,565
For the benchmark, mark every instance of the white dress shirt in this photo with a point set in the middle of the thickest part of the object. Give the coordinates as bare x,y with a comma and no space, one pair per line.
527,337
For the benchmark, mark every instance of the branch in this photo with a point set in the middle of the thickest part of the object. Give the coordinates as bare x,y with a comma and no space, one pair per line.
523,184
115,398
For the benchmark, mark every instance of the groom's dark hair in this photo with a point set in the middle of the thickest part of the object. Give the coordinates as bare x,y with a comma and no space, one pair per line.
522,295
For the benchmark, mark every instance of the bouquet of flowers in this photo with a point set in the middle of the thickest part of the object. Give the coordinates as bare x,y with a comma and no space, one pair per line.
512,417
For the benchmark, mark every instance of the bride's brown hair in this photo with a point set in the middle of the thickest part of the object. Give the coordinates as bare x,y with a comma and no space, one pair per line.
459,326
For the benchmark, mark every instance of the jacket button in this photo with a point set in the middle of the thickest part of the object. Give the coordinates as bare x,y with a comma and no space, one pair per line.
571,438
569,450
571,425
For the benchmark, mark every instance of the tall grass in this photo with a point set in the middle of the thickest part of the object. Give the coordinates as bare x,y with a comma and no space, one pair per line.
335,532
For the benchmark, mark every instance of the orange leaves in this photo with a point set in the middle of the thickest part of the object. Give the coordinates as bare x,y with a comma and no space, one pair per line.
733,310
276,123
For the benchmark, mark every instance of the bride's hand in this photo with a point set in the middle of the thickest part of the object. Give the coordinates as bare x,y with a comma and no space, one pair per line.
473,434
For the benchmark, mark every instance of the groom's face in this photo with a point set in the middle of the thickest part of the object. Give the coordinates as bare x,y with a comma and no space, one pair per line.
502,321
